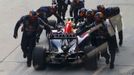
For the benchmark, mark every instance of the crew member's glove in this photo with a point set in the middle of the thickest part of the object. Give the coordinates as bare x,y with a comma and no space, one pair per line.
15,35
120,42
48,29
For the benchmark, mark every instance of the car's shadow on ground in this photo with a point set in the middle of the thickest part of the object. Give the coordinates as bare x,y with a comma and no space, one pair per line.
65,67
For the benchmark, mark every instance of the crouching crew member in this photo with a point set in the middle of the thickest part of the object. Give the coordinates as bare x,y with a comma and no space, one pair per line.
44,13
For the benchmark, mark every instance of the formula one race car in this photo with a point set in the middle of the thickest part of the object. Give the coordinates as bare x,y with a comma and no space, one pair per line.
65,47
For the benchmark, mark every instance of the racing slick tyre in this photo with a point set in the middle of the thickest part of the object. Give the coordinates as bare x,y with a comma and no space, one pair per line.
39,62
52,23
90,62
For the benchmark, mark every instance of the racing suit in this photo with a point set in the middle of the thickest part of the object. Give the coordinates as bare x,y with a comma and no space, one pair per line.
79,19
117,23
62,7
83,2
112,44
98,37
104,34
75,8
114,16
30,28
44,13
83,28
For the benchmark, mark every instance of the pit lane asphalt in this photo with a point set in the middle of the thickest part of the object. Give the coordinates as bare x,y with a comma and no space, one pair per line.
12,62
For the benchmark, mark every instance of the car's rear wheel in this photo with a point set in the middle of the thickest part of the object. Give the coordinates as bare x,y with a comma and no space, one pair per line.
90,62
39,62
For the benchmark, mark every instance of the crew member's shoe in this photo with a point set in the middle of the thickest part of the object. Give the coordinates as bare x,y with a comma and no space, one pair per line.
107,60
37,40
28,63
120,43
24,55
111,66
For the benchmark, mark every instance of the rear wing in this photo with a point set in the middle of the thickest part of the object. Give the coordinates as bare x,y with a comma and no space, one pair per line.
62,36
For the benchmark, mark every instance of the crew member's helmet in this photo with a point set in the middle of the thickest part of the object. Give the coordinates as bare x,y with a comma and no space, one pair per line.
33,15
76,1
82,12
90,13
99,16
101,8
53,8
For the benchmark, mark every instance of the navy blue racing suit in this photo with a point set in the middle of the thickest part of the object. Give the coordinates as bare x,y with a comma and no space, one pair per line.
44,13
75,7
29,28
62,6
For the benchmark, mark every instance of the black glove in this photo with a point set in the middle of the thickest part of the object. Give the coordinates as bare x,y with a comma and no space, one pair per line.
48,29
120,43
15,35
120,37
69,2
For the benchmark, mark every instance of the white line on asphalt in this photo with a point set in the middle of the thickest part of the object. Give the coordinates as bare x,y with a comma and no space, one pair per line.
9,54
16,61
99,70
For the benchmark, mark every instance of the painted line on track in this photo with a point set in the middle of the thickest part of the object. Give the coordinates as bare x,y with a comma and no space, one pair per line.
9,54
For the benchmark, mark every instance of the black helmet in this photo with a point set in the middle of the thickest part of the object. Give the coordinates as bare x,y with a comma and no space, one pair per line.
82,12
76,1
100,8
89,12
33,13
53,6
99,15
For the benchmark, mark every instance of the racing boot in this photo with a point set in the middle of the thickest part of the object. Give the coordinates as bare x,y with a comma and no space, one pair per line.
120,43
28,63
111,66
120,38
107,59
37,40
24,55
64,18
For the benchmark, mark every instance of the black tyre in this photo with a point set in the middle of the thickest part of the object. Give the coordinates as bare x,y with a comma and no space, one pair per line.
39,62
90,63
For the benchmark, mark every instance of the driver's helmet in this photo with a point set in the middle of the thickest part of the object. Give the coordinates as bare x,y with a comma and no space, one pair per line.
82,12
70,19
68,27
